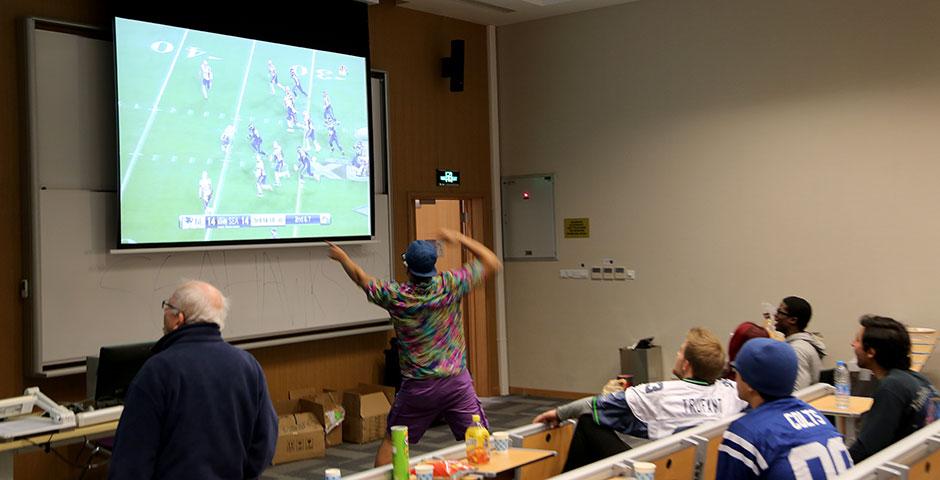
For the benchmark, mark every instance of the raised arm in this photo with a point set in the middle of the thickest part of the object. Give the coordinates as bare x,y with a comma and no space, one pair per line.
355,272
491,263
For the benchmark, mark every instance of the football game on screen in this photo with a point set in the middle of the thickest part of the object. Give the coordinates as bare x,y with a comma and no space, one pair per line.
228,139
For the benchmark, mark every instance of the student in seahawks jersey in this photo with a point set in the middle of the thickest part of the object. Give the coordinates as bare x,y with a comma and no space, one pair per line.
615,422
781,437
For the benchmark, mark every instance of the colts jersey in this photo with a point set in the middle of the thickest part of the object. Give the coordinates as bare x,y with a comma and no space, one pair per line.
785,439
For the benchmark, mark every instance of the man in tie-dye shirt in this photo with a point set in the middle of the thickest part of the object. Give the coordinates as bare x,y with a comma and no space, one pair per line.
426,315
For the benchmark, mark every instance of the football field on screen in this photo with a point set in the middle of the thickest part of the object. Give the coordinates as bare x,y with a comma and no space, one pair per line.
170,134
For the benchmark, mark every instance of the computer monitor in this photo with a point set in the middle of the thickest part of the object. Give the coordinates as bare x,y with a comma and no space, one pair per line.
117,366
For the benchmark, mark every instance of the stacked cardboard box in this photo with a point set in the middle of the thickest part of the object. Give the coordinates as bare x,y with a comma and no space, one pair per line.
367,408
299,433
327,409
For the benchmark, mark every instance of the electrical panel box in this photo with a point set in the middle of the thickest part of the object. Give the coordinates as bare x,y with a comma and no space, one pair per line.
529,217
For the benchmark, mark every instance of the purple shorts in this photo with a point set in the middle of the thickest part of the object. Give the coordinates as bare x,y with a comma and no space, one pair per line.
420,402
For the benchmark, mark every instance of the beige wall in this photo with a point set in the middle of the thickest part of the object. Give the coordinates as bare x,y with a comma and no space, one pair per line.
731,152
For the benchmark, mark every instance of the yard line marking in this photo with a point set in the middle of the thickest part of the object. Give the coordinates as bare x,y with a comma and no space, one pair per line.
241,95
153,114
300,186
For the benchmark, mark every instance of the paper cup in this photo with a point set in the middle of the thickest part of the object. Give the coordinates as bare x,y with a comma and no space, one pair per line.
424,471
500,442
332,474
644,470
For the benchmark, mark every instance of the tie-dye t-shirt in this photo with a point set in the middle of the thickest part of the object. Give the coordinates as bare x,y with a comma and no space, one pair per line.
428,321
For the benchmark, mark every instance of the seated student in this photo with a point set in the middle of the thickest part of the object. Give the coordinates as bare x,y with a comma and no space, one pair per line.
610,424
781,437
904,401
744,332
791,319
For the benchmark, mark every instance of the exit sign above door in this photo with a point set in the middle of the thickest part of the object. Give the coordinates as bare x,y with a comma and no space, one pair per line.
448,178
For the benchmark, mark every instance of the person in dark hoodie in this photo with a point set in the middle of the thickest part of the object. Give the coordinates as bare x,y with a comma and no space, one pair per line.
791,319
905,401
199,407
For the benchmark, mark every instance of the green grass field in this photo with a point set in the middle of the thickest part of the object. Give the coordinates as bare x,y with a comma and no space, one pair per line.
170,134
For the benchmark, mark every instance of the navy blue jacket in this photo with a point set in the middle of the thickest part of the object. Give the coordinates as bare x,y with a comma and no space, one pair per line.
198,408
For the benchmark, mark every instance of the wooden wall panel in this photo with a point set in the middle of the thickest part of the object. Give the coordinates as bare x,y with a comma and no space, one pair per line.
429,126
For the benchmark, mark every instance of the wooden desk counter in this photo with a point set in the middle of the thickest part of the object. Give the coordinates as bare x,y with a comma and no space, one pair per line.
845,418
9,448
507,462
857,406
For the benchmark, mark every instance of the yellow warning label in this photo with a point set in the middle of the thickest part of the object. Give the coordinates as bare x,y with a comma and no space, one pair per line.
577,227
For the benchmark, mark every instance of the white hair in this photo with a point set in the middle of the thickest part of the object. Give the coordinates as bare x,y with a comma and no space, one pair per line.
200,302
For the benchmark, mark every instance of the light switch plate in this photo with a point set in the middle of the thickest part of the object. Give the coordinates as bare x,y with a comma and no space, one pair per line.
620,273
596,273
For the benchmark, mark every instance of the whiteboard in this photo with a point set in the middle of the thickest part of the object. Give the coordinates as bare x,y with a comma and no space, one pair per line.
80,296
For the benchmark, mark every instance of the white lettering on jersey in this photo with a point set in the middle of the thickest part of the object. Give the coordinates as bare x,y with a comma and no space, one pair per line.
831,457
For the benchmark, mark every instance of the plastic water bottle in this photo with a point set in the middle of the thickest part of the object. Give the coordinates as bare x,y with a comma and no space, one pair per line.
843,386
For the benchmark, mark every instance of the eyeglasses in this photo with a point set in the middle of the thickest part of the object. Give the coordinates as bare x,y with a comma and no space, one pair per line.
783,314
165,305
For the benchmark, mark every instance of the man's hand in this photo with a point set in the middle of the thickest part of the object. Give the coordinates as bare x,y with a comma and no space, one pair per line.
448,236
336,253
355,272
550,417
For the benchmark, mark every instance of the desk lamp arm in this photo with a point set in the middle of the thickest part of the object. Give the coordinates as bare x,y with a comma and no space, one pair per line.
57,413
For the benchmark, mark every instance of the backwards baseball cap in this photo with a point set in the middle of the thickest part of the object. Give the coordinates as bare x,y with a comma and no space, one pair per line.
421,257
768,366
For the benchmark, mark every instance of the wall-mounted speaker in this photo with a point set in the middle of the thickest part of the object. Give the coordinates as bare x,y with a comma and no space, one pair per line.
452,67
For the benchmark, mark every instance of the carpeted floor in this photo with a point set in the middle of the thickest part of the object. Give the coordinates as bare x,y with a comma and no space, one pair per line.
503,413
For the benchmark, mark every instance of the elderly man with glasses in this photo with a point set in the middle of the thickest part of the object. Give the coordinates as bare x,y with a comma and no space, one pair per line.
199,407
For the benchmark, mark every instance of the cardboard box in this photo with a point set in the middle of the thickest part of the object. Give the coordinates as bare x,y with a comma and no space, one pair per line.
299,434
327,409
367,408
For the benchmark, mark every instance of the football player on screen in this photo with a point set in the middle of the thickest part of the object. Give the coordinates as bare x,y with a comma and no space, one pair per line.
277,157
296,79
226,138
272,72
261,178
290,110
206,78
328,116
334,138
361,162
310,134
255,138
205,191
303,164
